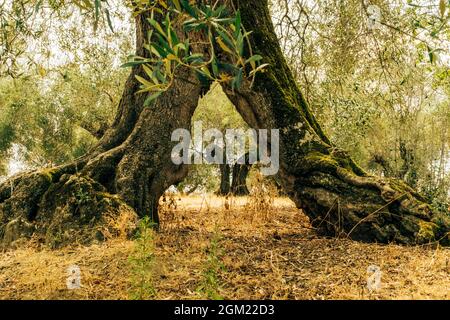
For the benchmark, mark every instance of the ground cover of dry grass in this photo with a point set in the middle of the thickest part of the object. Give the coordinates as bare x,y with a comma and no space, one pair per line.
264,252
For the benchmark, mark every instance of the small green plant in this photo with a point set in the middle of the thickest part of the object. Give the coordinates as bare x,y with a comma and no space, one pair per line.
210,284
82,196
142,262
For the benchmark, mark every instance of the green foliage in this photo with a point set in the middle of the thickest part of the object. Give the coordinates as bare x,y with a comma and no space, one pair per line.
168,51
210,284
65,97
201,178
142,263
82,197
50,126
380,94
24,24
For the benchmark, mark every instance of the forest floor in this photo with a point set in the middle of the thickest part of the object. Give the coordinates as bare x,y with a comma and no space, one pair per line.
214,247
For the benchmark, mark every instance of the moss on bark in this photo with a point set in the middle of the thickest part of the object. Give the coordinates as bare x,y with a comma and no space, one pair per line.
324,181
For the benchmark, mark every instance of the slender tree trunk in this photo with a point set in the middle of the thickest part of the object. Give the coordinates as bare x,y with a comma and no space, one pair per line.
225,185
239,177
233,179
239,182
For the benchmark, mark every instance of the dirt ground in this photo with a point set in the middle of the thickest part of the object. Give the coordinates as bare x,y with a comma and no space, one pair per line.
229,248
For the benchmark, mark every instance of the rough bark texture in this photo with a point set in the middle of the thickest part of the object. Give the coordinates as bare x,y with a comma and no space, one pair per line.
129,169
338,196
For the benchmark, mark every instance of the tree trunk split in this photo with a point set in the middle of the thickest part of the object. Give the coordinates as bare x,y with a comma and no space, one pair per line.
130,168
238,174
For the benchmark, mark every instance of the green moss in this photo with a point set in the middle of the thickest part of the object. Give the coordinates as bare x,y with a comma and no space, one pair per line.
316,160
426,231
278,81
323,159
442,221
351,165
49,173
109,197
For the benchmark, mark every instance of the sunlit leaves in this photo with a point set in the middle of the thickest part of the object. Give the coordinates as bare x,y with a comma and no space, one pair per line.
98,10
434,23
222,28
442,7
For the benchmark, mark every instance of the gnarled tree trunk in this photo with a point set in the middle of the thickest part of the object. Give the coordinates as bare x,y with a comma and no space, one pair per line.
338,196
131,167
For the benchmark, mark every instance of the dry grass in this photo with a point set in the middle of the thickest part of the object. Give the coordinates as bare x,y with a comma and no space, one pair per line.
274,256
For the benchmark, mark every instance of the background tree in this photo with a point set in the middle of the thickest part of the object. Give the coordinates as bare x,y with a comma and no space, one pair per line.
376,91
214,111
60,94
